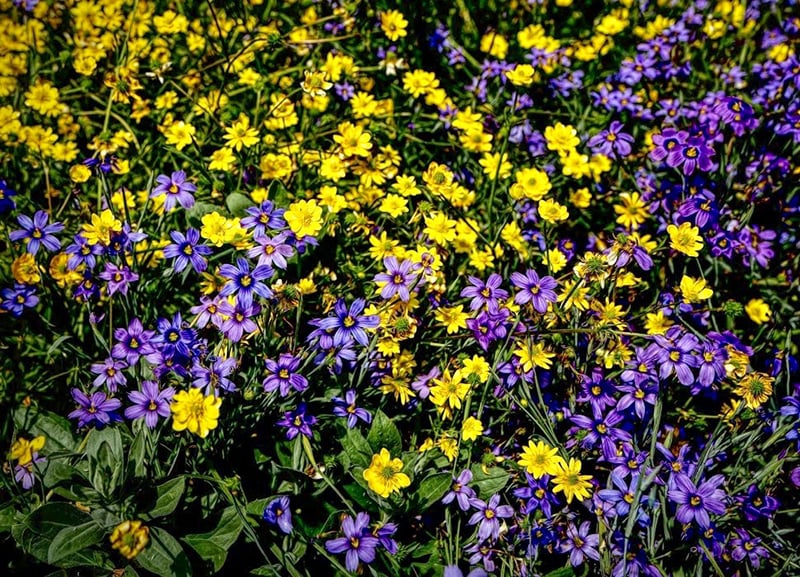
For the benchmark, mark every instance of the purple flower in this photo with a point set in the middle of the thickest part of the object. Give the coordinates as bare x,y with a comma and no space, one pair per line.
485,294
37,232
538,291
277,512
612,142
385,534
262,217
175,338
297,421
97,409
488,327
244,283
757,505
638,396
177,189
239,321
454,571
16,299
696,502
214,377
208,311
669,141
602,429
109,373
461,491
283,375
538,495
712,364
398,278
272,251
675,354
118,278
186,250
150,403
83,253
349,324
132,342
347,408
489,515
7,203
694,154
580,544
357,544
26,474
744,545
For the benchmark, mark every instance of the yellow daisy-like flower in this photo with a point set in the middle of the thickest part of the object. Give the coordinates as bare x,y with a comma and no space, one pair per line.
130,538
521,75
755,388
25,270
448,391
694,290
22,450
561,138
101,228
192,411
453,318
304,218
241,134
440,229
471,429
541,459
179,134
758,311
552,212
533,356
570,481
685,238
384,474
353,140
393,24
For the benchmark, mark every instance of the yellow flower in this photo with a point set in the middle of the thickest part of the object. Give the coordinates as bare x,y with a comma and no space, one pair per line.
179,134
495,165
22,450
394,205
384,474
453,318
570,481
215,228
439,228
304,218
448,447
533,356
494,44
521,75
657,323
471,429
448,391
80,173
393,24
540,459
222,159
61,273
353,140
758,311
685,238
632,212
694,290
476,366
192,411
419,82
315,83
101,228
25,270
561,138
552,212
531,183
130,538
476,140
397,386
755,389
241,134
43,98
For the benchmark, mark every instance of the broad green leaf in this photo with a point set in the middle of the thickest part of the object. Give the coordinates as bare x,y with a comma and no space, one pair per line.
7,517
384,434
168,495
432,489
35,533
489,483
256,507
164,556
57,430
357,448
213,546
136,454
238,203
73,539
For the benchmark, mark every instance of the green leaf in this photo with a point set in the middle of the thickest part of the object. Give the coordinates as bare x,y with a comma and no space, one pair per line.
57,430
384,434
238,203
168,495
432,489
489,483
7,517
357,448
36,532
72,539
213,546
136,454
562,572
164,556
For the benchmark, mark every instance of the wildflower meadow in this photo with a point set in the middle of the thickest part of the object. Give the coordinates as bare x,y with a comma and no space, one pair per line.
439,289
